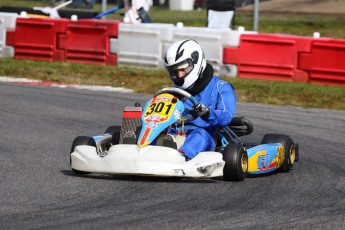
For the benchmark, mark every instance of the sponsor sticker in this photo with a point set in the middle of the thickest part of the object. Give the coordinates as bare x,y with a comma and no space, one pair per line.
151,125
263,161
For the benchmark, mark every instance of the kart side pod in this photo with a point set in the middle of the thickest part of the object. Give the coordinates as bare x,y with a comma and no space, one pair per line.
265,158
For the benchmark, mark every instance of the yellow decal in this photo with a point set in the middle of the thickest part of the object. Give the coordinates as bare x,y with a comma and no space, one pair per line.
253,161
161,106
281,156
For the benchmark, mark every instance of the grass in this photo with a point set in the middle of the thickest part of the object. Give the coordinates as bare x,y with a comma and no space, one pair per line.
149,81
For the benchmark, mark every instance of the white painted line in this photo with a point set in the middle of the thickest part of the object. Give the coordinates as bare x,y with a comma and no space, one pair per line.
12,79
62,85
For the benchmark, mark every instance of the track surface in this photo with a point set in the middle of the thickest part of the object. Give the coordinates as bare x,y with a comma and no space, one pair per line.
39,191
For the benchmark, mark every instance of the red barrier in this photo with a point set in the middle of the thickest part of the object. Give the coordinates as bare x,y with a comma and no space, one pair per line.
267,56
326,62
36,38
88,41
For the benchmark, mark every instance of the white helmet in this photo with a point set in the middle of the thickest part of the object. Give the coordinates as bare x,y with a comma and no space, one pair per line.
183,54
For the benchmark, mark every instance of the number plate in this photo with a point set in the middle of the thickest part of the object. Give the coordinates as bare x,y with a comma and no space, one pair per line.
160,108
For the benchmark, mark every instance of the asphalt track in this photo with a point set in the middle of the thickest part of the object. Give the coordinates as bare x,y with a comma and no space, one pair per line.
39,191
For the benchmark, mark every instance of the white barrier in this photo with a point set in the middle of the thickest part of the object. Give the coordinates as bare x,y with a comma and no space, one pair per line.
209,39
185,5
7,22
142,44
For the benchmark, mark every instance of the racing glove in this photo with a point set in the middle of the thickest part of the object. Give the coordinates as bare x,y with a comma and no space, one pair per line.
202,111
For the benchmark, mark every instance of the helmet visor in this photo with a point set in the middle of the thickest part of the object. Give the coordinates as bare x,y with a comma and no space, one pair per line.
179,71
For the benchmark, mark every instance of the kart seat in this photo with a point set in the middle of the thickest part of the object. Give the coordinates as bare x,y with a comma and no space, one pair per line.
241,126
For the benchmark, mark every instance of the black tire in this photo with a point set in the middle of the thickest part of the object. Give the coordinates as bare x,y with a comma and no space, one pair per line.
115,131
81,140
297,152
236,162
290,149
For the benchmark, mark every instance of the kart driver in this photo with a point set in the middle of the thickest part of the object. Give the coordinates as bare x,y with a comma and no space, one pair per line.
186,65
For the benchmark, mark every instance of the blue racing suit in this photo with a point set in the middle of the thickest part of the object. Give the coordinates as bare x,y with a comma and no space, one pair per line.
220,98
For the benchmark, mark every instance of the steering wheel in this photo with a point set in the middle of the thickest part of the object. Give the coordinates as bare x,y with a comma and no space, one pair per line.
178,91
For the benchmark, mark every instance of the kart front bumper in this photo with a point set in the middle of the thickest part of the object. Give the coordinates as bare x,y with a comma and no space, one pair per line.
150,160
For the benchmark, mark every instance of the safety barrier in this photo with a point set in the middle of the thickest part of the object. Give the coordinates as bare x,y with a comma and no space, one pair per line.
7,22
209,39
245,54
267,56
36,38
143,44
88,41
326,62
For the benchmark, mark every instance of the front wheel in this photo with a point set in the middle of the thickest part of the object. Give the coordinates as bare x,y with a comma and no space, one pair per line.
81,140
236,162
290,149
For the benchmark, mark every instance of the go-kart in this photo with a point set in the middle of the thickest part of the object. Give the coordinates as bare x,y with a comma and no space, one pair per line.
109,153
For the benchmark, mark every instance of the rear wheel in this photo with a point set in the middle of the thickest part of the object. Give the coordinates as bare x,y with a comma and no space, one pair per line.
236,162
290,149
81,140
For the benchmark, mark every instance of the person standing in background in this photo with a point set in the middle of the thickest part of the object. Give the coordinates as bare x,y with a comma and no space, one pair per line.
220,13
137,11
